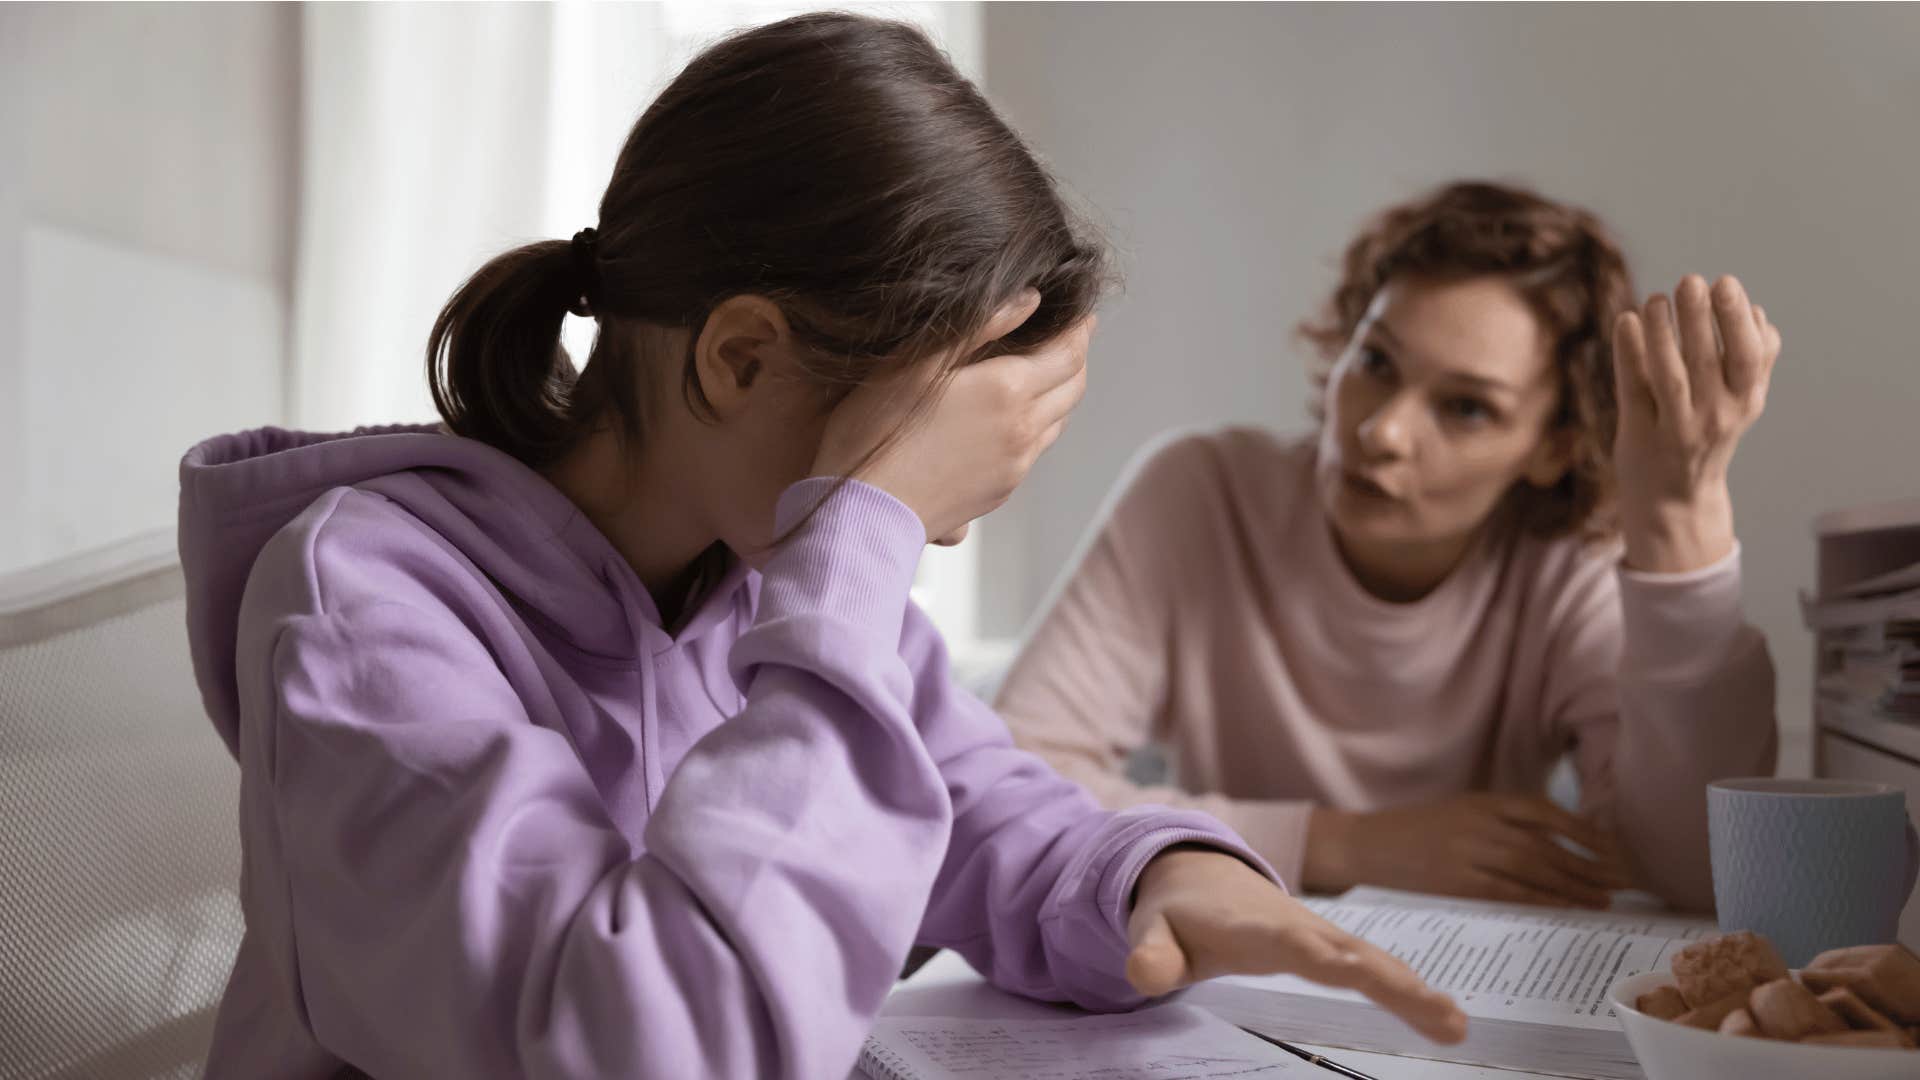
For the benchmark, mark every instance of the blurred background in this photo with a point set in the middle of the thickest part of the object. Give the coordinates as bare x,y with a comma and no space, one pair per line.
223,216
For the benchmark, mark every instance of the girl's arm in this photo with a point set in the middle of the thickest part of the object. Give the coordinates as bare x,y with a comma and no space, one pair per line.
1051,897
1092,676
457,900
1035,888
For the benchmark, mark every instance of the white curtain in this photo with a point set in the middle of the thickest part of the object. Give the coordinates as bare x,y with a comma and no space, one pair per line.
435,136
432,139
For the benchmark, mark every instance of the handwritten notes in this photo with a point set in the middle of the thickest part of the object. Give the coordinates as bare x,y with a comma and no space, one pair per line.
1170,1042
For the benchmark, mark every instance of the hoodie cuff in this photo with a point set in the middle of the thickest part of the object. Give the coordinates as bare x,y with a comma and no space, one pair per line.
1149,837
1680,627
848,550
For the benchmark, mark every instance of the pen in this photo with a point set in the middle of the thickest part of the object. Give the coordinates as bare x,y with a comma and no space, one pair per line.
1311,1057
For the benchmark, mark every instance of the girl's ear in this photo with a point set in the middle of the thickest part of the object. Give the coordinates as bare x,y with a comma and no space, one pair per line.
745,337
1551,458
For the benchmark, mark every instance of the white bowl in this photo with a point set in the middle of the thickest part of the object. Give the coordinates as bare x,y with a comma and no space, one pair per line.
1670,1051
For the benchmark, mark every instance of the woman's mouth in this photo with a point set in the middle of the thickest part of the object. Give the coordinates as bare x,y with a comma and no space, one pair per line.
1365,487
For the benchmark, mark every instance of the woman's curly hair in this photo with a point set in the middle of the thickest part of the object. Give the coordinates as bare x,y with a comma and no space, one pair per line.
1562,261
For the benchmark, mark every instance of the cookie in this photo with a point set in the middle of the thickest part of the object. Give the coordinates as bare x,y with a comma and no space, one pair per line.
1886,977
1859,1015
1664,1003
1784,1009
1740,1022
1708,971
1710,1016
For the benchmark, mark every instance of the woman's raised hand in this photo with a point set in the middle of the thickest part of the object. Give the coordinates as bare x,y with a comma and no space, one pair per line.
1691,377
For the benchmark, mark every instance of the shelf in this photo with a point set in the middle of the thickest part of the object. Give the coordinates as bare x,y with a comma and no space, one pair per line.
1863,724
1899,514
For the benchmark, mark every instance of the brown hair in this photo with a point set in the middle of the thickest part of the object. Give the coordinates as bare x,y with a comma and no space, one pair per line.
1562,260
835,164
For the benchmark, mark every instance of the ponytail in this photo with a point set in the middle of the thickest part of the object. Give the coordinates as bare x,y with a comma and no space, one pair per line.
835,164
494,360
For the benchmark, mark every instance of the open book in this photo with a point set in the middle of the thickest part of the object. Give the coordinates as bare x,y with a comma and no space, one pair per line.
1533,982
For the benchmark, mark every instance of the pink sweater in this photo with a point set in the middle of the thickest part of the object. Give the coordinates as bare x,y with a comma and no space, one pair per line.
1212,613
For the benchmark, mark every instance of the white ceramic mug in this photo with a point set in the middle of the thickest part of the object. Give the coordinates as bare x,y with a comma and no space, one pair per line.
1811,864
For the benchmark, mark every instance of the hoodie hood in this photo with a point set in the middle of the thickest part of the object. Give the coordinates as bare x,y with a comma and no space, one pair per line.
508,521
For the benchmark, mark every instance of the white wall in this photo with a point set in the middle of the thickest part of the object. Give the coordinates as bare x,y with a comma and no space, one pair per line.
1233,149
147,181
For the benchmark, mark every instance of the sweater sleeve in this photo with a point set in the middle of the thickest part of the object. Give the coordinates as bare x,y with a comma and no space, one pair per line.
1092,677
1663,687
459,903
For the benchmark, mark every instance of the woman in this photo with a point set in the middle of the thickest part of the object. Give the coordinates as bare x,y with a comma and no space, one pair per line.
595,735
1510,539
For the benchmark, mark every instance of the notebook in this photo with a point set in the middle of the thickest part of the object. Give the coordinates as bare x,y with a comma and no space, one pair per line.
1166,1042
1532,981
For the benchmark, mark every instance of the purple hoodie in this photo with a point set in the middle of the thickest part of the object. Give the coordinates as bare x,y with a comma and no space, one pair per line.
497,821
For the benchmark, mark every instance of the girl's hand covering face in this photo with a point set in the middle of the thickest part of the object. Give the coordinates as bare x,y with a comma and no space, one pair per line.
1691,377
973,444
1199,913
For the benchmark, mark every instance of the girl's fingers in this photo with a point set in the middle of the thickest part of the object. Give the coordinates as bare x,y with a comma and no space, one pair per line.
1054,405
1064,357
1341,960
1010,317
1314,949
1666,372
1630,363
1439,1017
1052,434
1157,964
1746,347
1699,347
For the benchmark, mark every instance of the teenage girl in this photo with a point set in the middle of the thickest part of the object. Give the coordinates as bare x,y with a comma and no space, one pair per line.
594,734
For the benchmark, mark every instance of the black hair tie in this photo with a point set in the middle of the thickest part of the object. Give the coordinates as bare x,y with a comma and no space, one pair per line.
586,270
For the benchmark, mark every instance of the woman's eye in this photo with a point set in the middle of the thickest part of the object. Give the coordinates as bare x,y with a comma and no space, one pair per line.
1374,363
1468,410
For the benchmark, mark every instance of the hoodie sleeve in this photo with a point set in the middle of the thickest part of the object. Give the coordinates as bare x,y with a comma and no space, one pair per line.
456,901
1035,890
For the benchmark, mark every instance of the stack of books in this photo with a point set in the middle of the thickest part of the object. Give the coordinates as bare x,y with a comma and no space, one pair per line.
1869,635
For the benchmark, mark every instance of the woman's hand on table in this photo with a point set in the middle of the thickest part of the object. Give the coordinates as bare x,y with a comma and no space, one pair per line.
1198,913
1487,846
1691,377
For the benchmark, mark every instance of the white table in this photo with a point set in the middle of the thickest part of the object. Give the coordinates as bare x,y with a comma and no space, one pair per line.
946,986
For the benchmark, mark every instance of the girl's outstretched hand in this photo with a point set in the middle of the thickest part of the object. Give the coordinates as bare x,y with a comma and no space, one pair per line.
965,452
1199,913
1691,377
